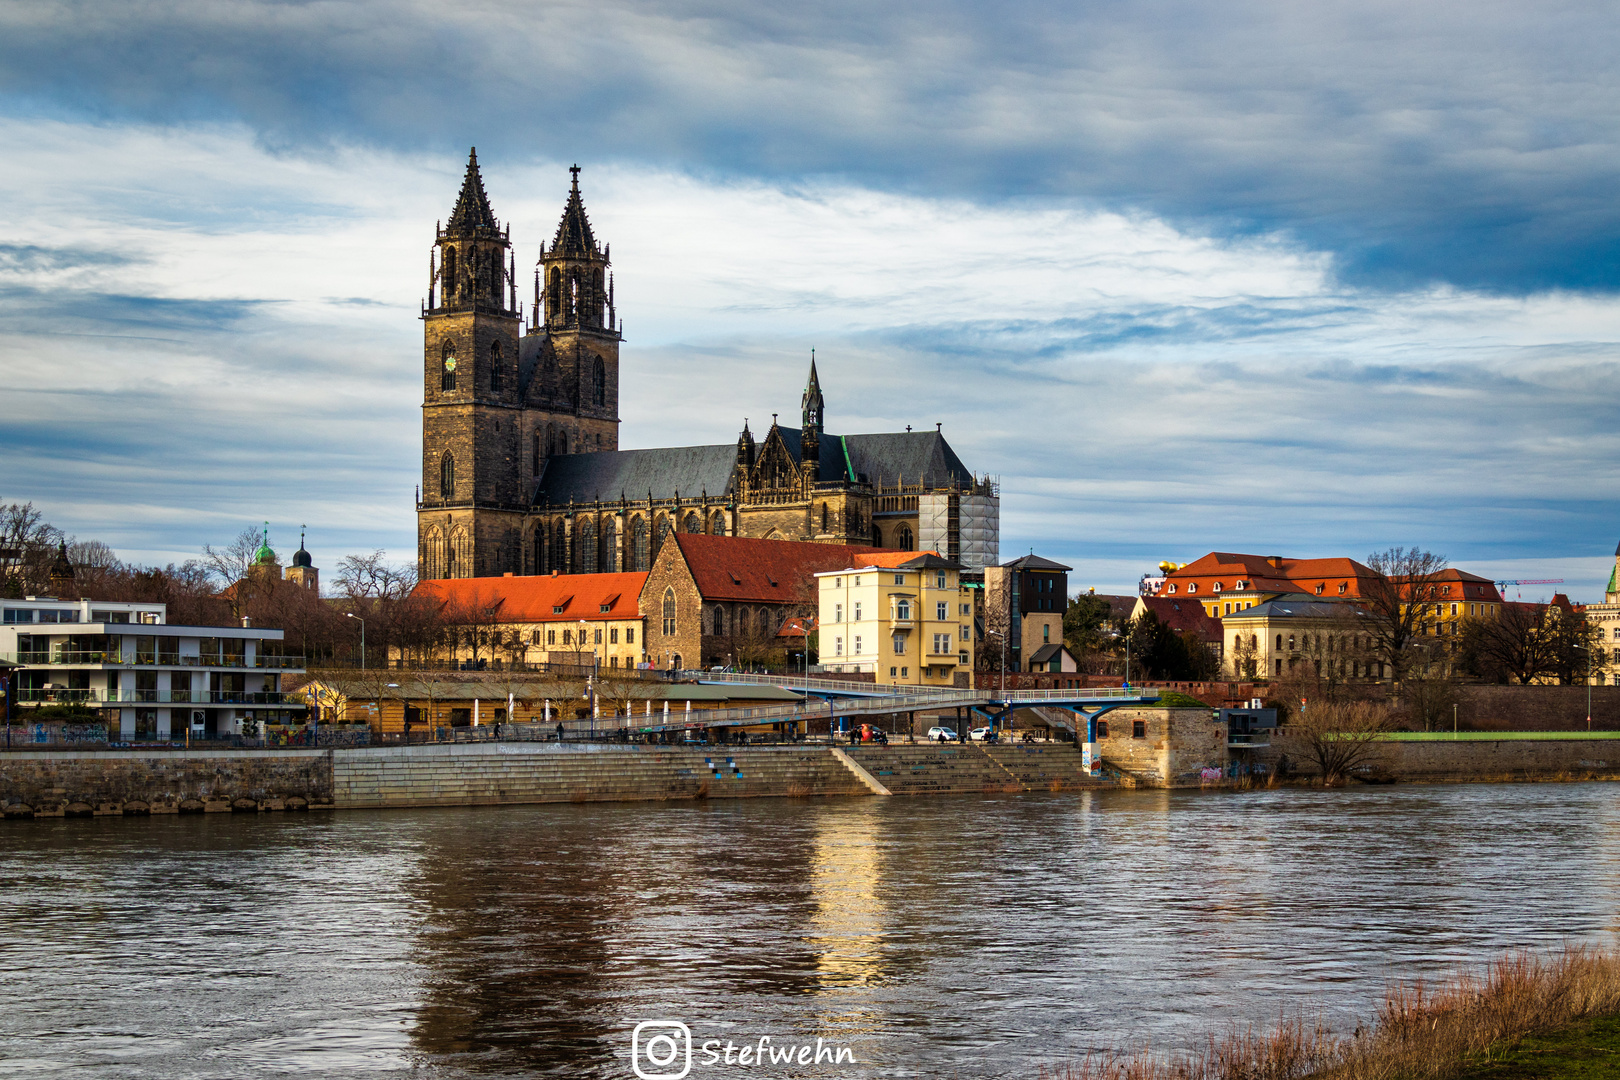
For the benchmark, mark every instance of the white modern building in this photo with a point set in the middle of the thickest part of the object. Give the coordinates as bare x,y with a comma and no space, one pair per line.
148,679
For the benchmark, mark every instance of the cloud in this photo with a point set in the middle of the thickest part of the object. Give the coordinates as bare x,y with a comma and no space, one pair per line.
1471,146
204,333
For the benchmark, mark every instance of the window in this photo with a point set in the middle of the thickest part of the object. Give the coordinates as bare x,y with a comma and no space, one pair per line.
495,368
942,611
1046,634
964,630
568,637
1344,587
905,672
1242,585
891,673
603,609
1102,729
962,658
598,638
966,610
1279,642
447,368
1192,588
857,644
1138,729
856,582
838,646
556,609
447,476
899,645
1172,590
599,383
613,662
942,644
899,579
838,583
902,610
613,636
857,611
534,637
719,621
838,613
1319,587
669,612
630,635
1218,586
551,637
902,539
939,580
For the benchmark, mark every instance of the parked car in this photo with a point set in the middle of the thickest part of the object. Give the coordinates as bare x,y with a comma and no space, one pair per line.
941,734
979,734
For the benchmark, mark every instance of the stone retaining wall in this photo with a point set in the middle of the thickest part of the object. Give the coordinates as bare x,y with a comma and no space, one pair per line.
54,783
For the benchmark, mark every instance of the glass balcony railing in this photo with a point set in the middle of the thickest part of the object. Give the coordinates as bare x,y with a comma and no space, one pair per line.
163,697
142,658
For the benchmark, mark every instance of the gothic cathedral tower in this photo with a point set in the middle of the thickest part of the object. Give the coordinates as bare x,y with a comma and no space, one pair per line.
470,513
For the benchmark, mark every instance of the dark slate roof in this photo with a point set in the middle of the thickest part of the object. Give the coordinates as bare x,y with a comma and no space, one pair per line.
472,208
1034,562
1299,606
689,471
1044,654
899,456
929,561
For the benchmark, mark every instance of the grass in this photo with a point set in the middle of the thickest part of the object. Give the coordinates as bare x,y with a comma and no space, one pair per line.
1524,1012
1492,736
1588,1051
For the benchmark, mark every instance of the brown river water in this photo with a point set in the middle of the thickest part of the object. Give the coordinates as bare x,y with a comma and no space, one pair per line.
954,937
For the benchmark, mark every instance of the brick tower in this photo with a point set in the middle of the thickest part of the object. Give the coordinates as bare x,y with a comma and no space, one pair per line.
470,511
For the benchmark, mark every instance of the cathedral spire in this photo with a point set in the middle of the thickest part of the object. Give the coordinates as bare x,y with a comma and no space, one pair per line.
810,428
472,207
574,236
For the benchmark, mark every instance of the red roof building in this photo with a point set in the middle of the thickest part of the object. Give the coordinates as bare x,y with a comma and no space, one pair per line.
555,618
1224,582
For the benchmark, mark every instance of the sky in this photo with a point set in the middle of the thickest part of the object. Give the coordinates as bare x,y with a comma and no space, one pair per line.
1253,277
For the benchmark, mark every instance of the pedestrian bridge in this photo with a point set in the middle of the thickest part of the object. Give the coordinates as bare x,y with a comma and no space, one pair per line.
831,699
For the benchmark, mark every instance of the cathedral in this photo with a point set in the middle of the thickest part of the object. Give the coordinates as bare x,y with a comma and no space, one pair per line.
521,467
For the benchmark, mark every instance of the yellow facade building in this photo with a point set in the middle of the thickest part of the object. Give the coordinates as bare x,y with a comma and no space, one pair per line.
911,623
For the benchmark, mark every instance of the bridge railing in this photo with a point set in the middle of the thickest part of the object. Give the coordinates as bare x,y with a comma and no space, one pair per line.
802,683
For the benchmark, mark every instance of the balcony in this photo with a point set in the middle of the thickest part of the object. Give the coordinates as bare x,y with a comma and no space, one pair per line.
142,658
162,697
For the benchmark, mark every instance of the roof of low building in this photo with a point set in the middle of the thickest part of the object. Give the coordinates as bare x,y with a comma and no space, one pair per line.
1183,615
1034,562
538,597
1044,654
1299,606
771,571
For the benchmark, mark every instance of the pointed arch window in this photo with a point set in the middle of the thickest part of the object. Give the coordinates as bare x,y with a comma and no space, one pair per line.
585,548
540,548
554,294
496,372
447,476
903,539
669,612
694,524
447,277
608,562
717,524
719,621
660,533
599,383
598,297
559,549
447,368
638,544
537,454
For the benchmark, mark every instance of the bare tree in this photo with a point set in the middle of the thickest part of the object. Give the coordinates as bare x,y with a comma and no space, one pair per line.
229,567
1508,644
27,545
1396,602
1340,737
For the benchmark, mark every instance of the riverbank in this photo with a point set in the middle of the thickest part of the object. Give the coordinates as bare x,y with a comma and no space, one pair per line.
90,783
1524,1017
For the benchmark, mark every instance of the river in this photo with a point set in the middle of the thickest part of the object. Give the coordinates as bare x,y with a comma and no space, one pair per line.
964,937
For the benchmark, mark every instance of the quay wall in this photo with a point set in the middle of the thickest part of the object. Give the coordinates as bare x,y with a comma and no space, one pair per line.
473,774
53,783
1171,752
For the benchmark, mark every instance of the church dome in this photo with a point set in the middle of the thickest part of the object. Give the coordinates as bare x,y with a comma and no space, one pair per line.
302,558
264,556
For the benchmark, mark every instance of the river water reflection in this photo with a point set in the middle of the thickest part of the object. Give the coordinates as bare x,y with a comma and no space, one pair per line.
967,937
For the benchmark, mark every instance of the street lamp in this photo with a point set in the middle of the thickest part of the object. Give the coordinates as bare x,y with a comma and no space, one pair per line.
352,615
1003,638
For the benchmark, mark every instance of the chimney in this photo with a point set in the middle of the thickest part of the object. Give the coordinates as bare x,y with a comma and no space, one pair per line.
1274,560
246,622
507,574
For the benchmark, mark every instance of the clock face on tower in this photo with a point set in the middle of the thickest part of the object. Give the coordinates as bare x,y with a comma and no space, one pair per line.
450,363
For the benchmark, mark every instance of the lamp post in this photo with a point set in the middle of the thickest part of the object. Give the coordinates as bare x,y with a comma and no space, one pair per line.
1003,638
352,615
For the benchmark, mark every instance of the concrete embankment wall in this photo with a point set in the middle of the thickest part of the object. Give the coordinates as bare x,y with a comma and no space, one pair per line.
475,774
57,782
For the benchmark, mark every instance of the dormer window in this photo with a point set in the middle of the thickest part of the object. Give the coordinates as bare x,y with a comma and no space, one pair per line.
1219,586
1172,590
1193,587
556,609
1344,587
1241,585
605,608
1321,587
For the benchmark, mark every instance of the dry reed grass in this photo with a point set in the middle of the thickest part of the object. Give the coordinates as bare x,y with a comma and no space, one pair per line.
1422,1032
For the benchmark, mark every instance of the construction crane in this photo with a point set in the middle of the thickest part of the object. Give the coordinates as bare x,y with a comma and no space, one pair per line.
1532,581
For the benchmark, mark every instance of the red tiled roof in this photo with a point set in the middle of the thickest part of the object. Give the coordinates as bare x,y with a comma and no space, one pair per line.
1287,575
780,571
1188,614
534,598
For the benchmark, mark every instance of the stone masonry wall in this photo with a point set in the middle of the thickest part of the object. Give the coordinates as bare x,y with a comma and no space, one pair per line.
52,783
1175,745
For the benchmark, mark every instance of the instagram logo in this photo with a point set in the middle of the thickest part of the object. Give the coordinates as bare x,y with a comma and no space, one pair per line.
666,1048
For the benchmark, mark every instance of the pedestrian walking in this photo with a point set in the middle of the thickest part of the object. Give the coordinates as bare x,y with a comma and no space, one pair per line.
559,731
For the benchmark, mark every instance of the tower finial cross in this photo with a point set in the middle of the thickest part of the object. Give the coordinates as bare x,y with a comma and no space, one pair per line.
575,170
